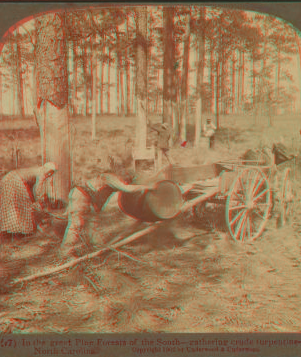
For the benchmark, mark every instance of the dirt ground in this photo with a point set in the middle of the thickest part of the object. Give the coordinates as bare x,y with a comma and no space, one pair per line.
188,276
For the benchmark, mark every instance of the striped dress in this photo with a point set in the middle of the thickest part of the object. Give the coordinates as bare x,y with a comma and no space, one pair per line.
17,201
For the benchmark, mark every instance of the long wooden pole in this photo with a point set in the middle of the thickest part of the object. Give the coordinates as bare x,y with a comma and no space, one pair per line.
74,262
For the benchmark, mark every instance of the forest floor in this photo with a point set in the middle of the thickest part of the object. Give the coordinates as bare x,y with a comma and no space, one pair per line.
184,277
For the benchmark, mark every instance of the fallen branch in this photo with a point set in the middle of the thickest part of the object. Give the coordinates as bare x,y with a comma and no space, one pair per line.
130,256
74,262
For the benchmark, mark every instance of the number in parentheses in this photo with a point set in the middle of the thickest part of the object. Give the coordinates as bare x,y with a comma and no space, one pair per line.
7,343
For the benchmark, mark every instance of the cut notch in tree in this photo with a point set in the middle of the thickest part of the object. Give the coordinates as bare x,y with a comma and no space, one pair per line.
52,102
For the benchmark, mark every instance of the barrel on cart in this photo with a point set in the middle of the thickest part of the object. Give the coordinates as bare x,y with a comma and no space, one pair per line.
248,189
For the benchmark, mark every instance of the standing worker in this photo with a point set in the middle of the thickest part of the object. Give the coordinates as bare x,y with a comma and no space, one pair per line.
209,132
164,135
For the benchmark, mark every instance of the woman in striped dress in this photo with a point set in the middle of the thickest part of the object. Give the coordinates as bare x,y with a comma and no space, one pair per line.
20,192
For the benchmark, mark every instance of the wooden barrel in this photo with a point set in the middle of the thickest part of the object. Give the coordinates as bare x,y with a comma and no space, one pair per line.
161,203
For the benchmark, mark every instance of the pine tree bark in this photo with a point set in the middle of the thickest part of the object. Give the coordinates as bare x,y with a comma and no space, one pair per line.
242,80
128,74
52,103
94,90
117,74
168,64
141,79
212,80
233,84
1,107
199,83
102,92
20,84
74,92
298,45
109,82
184,85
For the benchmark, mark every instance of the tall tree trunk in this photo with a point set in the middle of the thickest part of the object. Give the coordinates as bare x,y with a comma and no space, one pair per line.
298,46
69,45
128,74
141,82
184,85
85,69
20,82
157,94
109,82
52,103
233,83
238,81
168,64
94,90
253,79
117,74
121,78
74,92
133,92
200,79
242,80
212,80
1,107
102,76
217,94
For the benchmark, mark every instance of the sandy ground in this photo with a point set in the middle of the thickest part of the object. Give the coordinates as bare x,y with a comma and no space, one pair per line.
187,276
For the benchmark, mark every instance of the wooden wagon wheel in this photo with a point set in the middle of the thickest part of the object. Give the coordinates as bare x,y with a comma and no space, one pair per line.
286,197
248,205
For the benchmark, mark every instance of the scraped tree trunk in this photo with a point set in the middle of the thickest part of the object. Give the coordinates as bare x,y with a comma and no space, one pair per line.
52,103
200,78
141,79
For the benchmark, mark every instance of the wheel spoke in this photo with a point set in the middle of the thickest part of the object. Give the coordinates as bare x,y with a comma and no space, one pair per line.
239,197
258,214
237,207
252,183
243,228
240,223
248,204
258,186
236,217
260,195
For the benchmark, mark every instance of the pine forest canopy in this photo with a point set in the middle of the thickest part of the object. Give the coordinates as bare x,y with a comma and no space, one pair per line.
235,61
